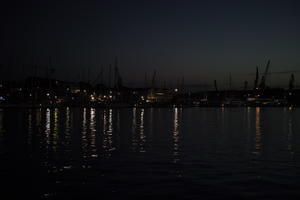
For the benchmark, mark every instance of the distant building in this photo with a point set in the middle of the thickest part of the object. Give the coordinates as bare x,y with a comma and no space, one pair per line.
159,96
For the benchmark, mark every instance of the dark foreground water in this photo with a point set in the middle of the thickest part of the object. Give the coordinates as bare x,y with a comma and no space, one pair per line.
191,153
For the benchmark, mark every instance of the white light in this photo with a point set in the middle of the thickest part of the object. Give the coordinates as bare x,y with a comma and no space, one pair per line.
48,94
176,90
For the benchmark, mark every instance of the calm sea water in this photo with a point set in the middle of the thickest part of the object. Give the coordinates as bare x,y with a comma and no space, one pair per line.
178,153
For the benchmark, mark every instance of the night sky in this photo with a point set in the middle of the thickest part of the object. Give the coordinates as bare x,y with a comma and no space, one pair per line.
200,40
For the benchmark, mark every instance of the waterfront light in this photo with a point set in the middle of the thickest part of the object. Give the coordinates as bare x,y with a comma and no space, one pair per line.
92,97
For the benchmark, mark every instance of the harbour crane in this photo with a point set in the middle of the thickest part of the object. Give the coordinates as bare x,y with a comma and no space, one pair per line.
262,84
292,82
256,79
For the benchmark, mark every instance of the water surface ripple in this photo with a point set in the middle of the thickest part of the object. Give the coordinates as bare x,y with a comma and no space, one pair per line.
181,153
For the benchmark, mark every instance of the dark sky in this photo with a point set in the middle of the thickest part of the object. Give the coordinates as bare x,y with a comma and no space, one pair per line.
200,40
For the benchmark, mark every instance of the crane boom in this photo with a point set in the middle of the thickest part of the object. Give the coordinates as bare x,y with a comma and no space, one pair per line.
256,78
264,77
292,82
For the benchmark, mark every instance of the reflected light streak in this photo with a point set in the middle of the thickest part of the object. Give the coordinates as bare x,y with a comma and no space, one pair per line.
67,130
55,129
176,136
104,145
93,133
257,131
84,134
110,130
48,125
248,117
142,136
134,141
47,136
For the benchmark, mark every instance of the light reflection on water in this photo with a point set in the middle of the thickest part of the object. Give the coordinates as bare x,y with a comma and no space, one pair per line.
48,126
142,136
93,133
68,128
134,141
176,136
108,133
258,133
55,132
200,145
84,134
